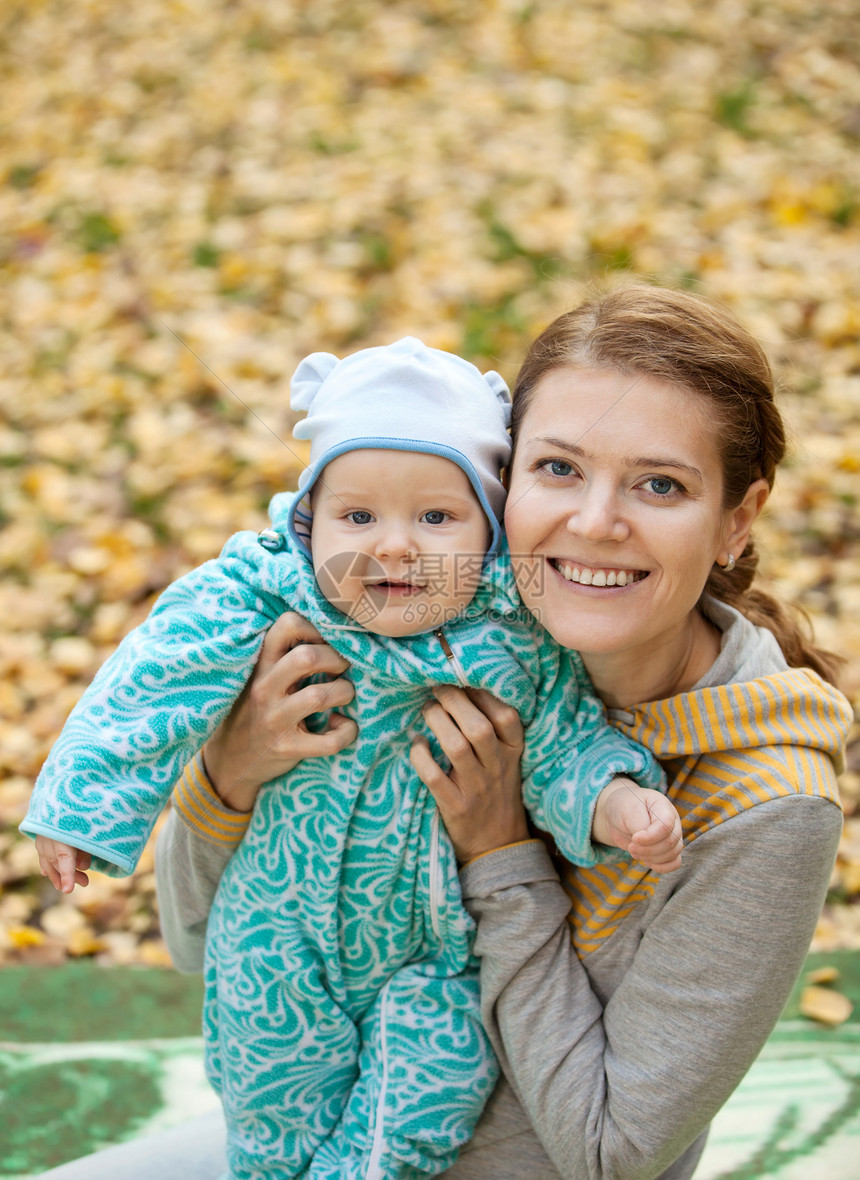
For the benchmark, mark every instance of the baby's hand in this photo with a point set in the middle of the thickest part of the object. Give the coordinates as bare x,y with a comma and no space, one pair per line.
62,864
642,822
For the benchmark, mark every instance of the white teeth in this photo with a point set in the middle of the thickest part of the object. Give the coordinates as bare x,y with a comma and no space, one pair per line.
587,577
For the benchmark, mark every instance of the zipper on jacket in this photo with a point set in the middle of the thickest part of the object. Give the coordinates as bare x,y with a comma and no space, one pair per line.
451,657
435,870
437,884
374,1166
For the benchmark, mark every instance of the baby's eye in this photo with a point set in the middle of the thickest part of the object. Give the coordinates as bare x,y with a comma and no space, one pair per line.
661,485
359,516
435,516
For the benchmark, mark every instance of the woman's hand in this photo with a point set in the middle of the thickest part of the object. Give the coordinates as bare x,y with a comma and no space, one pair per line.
480,798
265,734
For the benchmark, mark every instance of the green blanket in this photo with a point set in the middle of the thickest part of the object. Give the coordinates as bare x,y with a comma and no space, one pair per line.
92,1056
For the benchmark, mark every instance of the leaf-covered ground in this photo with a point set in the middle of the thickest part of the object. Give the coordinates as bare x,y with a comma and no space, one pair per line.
194,195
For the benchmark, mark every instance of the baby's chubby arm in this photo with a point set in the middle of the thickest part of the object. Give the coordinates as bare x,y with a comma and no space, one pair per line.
574,762
150,707
642,822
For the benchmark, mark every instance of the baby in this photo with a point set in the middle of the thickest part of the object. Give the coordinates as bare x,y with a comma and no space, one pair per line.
341,1019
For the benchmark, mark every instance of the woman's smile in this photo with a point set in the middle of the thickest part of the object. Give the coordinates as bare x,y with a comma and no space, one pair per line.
586,575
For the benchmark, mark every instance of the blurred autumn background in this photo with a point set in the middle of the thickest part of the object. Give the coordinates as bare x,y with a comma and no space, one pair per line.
194,195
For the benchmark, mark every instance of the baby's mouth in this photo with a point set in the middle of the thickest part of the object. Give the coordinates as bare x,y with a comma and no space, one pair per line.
394,587
594,576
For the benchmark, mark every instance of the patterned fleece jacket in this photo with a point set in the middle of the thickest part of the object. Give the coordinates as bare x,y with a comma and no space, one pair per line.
342,1011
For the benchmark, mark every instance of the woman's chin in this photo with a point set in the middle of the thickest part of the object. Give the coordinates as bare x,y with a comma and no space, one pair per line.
587,636
588,619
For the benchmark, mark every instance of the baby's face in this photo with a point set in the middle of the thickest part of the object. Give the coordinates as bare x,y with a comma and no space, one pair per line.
398,539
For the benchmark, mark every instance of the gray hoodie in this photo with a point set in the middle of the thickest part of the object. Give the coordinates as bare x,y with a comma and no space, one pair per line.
625,1008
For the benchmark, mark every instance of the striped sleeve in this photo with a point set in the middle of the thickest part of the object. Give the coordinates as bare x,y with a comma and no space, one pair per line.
196,802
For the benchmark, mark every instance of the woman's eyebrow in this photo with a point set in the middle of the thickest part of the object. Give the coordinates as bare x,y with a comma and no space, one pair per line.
634,461
675,464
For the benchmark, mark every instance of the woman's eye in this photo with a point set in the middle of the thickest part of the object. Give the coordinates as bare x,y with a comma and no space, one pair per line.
435,516
359,516
661,485
559,467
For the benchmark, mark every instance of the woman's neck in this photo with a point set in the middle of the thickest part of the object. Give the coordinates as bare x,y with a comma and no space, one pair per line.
660,669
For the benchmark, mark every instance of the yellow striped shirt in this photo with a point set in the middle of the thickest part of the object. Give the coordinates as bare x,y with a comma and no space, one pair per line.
724,750
196,802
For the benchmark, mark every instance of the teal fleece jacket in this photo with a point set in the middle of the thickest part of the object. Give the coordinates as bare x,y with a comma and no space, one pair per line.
342,1011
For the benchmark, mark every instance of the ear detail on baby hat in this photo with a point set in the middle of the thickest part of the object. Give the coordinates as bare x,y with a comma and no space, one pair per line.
308,377
499,387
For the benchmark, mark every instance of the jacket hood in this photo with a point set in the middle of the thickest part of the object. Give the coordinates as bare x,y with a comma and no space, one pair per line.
403,397
792,707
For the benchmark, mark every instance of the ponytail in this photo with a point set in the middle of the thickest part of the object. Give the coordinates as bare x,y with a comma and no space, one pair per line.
789,623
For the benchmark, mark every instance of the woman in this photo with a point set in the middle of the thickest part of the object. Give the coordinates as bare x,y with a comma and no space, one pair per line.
624,1008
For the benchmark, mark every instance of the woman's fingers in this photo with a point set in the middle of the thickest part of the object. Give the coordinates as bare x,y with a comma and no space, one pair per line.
292,651
480,797
280,698
429,771
505,720
458,746
473,723
277,712
265,734
339,733
287,631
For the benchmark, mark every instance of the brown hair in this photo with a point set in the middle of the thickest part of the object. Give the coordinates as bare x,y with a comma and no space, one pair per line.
678,337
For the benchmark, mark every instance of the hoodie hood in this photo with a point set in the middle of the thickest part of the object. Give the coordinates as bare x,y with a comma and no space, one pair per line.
748,700
790,708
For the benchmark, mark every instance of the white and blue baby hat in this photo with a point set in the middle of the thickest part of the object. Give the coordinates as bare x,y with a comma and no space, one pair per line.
403,397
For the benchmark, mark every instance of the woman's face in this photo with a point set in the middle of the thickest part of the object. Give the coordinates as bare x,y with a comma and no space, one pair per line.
614,513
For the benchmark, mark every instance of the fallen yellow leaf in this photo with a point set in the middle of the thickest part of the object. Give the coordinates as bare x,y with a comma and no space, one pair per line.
825,1005
21,937
822,975
84,942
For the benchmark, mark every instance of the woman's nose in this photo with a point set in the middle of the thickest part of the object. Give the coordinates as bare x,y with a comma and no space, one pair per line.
598,517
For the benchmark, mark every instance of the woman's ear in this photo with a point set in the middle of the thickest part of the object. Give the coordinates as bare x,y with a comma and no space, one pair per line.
742,518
